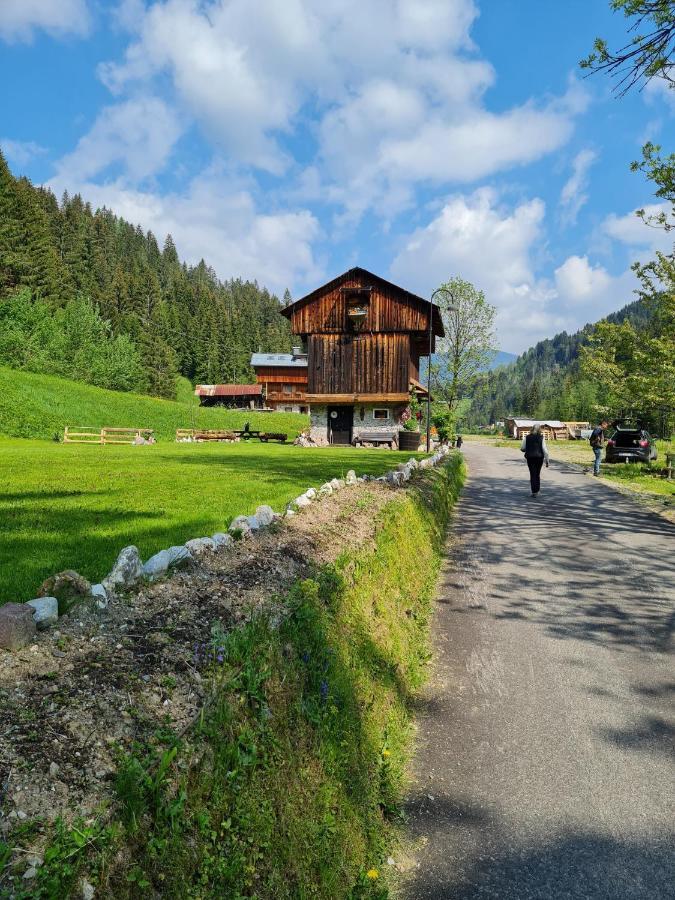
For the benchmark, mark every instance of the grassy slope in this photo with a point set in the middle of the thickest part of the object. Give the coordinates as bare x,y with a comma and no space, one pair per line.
289,784
75,506
39,406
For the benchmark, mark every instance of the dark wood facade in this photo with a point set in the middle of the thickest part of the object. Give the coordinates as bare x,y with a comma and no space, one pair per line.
282,385
364,337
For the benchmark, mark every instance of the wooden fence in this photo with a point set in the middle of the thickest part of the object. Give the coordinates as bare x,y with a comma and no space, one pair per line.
81,434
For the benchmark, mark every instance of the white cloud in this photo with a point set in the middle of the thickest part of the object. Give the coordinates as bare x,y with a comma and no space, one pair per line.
217,220
577,281
20,18
394,85
495,247
658,90
573,195
137,135
630,230
20,152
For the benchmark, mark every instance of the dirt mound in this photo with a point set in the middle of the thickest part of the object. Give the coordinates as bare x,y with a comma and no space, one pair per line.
78,696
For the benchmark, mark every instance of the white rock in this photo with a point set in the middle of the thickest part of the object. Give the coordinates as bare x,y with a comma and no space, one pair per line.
198,546
302,501
240,523
30,872
46,611
264,515
413,463
290,513
310,493
98,591
220,539
161,562
326,490
350,478
87,890
126,572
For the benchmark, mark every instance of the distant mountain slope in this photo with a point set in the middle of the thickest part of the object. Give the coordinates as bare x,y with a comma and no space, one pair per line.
39,406
544,380
502,358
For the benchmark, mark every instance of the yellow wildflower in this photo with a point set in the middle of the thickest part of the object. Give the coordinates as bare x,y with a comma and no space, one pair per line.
386,753
372,874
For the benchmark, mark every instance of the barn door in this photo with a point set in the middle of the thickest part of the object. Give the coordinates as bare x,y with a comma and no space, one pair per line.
340,422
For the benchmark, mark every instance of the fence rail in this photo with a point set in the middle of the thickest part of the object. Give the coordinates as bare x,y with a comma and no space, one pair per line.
82,434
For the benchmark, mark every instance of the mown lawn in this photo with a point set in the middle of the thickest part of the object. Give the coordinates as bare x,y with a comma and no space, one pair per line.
75,506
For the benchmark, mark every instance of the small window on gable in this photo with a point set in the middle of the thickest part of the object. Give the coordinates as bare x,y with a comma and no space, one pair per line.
380,413
358,303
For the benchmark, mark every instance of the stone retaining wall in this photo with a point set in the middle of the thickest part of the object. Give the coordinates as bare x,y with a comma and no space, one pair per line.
63,591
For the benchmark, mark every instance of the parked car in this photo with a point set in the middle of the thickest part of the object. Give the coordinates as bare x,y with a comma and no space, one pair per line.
630,442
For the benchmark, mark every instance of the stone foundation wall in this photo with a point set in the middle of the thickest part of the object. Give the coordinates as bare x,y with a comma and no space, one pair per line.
319,420
318,428
288,407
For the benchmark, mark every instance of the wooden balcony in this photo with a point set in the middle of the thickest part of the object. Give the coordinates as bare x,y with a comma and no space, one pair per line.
283,397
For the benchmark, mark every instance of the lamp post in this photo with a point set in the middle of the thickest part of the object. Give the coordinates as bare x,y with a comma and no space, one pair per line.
451,308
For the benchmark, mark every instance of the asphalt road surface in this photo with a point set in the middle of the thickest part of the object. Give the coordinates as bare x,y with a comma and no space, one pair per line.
547,735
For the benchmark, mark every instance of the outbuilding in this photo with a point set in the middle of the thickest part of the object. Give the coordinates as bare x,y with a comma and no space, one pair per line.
234,396
552,429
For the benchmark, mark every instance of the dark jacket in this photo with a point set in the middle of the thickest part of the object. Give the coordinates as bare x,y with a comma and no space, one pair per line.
534,446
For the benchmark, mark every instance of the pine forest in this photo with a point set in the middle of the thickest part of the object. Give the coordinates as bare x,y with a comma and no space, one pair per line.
86,295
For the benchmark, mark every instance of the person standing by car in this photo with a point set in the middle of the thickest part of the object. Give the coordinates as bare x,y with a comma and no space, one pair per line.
597,442
536,453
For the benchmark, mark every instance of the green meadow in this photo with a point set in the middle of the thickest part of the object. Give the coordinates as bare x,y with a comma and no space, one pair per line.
75,506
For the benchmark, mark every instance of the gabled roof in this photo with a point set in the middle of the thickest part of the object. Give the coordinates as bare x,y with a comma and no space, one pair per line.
527,423
228,390
282,360
356,272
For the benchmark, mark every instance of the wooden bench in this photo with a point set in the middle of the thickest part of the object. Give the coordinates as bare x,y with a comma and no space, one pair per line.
376,437
266,436
86,435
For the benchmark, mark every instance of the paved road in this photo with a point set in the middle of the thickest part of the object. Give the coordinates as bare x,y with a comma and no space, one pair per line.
547,737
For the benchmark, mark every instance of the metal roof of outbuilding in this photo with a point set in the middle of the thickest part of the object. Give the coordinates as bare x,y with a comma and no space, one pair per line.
228,390
278,359
525,423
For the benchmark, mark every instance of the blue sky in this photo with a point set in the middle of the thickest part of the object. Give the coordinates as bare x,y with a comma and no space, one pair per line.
287,141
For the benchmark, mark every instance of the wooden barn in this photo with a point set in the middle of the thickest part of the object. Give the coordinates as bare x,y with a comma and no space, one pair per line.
234,396
364,337
283,379
552,429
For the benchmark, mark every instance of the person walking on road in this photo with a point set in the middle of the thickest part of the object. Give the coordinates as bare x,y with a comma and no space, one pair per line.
536,454
597,441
